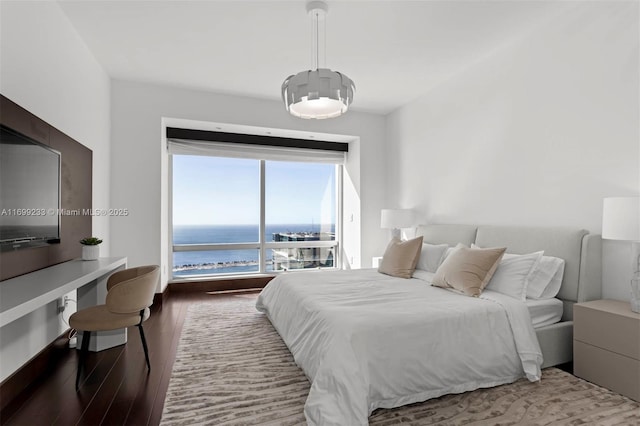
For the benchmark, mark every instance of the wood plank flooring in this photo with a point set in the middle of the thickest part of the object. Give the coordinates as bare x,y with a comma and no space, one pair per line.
115,388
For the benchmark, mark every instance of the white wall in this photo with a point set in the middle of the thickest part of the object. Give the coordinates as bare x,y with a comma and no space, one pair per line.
47,69
139,163
536,134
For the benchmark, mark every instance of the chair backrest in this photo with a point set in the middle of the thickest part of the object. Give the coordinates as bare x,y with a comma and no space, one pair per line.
132,290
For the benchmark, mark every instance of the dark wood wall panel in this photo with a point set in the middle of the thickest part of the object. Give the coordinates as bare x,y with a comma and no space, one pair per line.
20,119
76,183
75,197
22,261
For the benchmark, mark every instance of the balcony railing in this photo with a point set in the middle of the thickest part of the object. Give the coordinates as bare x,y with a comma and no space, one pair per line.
285,256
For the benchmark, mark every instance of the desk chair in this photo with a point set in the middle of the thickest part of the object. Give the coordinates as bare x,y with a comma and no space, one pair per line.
129,296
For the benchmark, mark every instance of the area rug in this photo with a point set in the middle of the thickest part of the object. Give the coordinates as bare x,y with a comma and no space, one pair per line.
232,368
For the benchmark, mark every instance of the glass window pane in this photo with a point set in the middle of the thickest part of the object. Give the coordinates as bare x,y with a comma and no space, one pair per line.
211,234
210,262
300,201
301,258
215,199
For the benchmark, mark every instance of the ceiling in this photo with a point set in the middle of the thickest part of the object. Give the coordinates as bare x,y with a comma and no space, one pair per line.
394,51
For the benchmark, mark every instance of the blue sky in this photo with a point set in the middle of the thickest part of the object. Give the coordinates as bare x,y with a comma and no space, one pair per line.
226,191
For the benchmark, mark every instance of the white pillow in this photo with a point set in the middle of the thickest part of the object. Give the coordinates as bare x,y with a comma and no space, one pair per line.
423,276
447,252
546,280
514,274
431,256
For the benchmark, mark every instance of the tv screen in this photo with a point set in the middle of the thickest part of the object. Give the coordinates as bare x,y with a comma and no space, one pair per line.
29,192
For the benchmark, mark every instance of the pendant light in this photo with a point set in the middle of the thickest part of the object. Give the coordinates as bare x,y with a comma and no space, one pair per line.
319,93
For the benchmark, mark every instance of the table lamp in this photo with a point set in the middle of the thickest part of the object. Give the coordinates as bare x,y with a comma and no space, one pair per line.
396,219
621,221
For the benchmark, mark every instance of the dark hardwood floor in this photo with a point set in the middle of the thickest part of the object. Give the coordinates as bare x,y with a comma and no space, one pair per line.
115,387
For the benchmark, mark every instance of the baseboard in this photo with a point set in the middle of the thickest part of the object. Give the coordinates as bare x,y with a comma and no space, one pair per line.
160,298
12,389
247,283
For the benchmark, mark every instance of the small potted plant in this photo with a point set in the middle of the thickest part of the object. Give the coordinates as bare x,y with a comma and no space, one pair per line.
90,248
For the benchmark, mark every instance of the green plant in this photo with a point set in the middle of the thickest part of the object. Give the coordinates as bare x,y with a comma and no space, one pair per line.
90,241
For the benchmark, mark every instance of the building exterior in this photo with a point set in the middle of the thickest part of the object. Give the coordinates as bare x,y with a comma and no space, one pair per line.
303,257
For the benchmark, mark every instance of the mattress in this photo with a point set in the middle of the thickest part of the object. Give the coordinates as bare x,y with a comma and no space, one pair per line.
545,311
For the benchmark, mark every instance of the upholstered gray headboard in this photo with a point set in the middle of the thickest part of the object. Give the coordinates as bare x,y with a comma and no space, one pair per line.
581,251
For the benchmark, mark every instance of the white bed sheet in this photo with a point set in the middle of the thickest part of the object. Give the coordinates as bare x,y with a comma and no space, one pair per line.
367,340
544,312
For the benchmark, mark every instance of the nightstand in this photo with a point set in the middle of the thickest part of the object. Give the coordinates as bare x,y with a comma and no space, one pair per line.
375,261
606,345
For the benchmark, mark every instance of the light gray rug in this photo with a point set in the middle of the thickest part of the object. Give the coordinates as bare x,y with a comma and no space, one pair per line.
232,368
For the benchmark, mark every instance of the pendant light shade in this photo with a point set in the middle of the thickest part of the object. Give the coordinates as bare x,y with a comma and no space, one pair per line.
317,94
322,93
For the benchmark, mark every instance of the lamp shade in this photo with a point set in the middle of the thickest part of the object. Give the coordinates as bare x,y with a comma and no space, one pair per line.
397,218
621,218
318,94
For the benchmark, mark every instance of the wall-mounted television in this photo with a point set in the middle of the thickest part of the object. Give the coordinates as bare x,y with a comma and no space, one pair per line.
29,192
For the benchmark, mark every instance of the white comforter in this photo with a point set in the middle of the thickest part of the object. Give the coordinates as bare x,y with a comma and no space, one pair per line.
367,340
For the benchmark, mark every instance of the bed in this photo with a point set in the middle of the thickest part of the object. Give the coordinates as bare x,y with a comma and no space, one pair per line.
367,340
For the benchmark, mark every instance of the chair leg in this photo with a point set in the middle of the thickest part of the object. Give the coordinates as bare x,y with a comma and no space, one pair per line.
144,345
86,337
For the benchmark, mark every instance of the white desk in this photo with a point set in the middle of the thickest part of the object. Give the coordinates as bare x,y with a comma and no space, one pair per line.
26,293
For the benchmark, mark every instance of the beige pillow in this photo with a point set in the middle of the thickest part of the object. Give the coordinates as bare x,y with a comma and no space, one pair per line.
401,257
468,270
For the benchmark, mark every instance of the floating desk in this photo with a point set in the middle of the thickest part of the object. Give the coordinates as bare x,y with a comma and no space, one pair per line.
22,295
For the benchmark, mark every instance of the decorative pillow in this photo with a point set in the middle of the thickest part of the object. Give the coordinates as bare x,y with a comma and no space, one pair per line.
431,256
514,273
546,280
401,257
468,270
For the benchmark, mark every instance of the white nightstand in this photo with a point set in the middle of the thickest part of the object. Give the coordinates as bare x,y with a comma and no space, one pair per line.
375,261
606,345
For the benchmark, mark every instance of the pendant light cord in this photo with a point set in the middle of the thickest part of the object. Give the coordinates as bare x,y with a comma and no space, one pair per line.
315,37
324,37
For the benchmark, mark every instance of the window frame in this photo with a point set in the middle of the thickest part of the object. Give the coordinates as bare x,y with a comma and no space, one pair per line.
262,245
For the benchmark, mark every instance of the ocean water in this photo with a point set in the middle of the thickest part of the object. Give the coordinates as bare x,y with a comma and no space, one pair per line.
227,261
